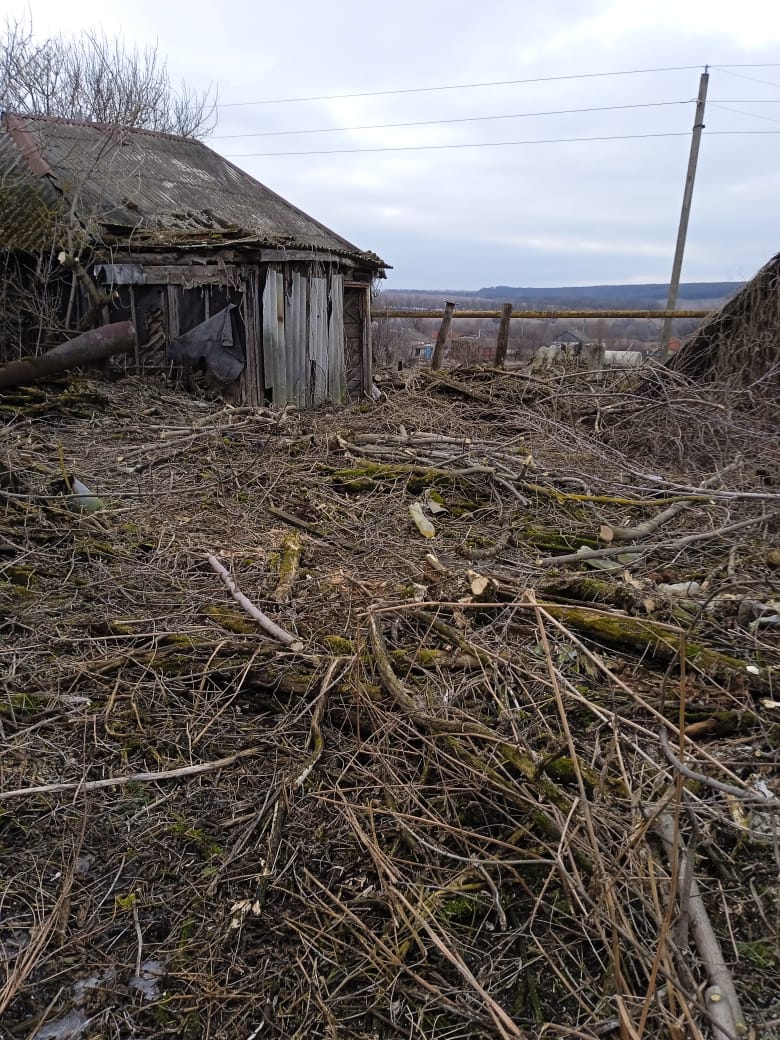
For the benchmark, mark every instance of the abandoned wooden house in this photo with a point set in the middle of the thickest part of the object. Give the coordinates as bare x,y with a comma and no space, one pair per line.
217,272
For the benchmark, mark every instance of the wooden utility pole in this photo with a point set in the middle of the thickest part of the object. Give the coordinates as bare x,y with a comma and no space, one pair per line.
674,284
502,340
441,339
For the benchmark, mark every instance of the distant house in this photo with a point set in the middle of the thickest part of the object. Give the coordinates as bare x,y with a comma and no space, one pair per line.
569,343
214,269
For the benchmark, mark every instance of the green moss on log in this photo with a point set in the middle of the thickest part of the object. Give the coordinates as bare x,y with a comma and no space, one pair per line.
656,641
550,540
563,771
368,475
338,645
23,705
232,620
20,575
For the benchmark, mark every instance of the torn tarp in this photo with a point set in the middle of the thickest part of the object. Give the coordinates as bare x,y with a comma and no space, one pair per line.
211,342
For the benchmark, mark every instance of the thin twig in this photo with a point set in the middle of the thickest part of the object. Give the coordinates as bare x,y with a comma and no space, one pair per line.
140,778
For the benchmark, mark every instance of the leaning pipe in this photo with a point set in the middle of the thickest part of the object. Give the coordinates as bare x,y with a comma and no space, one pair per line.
87,349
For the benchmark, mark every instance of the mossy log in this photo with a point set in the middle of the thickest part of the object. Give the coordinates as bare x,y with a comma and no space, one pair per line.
714,722
589,588
366,475
183,655
657,642
68,404
289,566
549,539
232,620
562,497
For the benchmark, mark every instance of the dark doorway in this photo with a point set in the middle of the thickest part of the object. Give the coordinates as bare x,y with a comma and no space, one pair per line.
355,325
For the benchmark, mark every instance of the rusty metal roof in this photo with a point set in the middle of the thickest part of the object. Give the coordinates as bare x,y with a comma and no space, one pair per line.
157,189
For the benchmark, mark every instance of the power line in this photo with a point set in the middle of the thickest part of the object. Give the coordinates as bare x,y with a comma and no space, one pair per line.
480,119
493,83
436,122
741,75
454,86
490,144
739,112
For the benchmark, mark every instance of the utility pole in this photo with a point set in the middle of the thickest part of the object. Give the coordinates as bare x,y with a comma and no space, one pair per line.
674,284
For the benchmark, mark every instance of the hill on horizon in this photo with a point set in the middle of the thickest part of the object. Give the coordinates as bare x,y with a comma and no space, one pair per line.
639,296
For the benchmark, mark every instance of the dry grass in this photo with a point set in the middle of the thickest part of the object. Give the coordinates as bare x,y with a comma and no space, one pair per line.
439,820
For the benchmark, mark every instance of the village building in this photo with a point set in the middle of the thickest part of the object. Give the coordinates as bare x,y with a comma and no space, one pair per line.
569,343
217,273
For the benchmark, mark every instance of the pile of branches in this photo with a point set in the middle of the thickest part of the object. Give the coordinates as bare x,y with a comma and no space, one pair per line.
737,348
443,719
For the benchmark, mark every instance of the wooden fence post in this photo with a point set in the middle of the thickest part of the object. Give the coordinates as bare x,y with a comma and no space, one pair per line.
441,339
503,335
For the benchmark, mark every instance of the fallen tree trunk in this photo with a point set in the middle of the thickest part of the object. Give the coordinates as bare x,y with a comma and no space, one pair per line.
87,349
657,641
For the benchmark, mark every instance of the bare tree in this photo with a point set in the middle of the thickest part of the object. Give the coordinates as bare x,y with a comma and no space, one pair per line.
99,79
88,77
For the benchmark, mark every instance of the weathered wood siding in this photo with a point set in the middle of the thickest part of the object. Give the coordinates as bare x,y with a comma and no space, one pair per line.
291,330
303,334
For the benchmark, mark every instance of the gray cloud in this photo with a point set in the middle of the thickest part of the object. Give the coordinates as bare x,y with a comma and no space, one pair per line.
586,212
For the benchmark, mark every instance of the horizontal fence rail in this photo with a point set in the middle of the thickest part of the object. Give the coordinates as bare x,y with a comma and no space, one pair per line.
410,312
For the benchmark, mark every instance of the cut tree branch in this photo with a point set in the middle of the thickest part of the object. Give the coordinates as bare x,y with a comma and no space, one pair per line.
268,626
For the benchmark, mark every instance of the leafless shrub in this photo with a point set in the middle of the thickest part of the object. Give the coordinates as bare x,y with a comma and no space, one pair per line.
97,78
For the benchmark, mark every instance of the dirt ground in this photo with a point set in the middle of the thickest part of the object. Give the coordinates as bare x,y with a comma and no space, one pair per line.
477,786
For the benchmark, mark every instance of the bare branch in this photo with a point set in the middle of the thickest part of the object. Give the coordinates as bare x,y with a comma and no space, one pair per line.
97,78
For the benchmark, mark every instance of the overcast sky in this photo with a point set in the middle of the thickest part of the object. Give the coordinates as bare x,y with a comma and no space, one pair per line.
491,212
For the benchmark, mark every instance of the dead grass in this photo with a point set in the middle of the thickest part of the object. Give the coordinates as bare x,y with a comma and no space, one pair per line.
439,820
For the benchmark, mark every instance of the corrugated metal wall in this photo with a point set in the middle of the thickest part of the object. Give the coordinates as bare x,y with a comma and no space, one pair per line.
303,335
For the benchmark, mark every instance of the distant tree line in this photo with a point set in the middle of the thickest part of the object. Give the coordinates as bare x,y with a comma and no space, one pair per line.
617,297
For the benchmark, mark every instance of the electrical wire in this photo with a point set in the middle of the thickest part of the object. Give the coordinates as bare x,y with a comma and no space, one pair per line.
437,122
739,112
740,75
492,144
493,83
479,119
454,86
